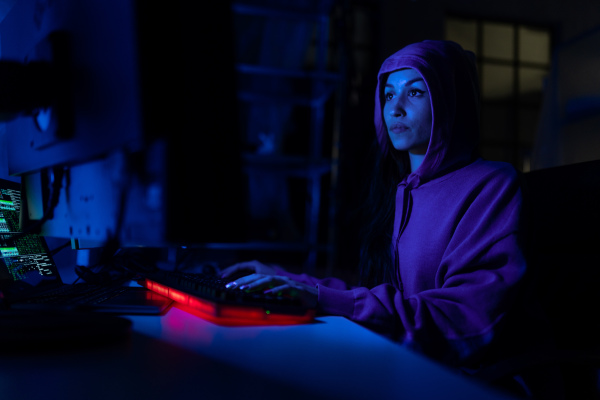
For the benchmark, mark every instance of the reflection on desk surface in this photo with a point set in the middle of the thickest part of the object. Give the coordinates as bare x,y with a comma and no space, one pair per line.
179,354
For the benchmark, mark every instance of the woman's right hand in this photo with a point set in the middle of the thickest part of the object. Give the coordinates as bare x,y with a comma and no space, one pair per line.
247,268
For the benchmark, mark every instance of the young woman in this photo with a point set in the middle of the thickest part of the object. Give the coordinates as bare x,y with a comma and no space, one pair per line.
441,259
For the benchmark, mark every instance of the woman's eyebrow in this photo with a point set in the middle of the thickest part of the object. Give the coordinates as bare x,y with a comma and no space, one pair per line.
407,83
413,81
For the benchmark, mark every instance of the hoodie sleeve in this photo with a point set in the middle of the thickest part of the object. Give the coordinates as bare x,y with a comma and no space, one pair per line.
475,282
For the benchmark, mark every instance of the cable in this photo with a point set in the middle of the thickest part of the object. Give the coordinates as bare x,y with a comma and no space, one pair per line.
110,267
56,250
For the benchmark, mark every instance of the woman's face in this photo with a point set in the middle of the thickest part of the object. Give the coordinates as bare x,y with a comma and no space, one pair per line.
407,111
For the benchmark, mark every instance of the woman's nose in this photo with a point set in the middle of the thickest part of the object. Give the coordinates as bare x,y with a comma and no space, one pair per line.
397,109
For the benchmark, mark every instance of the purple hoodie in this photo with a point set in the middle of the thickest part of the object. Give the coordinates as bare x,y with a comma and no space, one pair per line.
456,229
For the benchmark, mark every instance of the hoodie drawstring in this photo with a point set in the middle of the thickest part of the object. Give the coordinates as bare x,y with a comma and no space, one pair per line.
406,211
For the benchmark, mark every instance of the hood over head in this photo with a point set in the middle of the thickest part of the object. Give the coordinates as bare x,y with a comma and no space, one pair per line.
451,78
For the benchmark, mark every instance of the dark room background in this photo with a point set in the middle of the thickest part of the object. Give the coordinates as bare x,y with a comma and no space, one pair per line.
306,72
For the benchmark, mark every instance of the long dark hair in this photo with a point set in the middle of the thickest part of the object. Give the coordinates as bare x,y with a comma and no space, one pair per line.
375,262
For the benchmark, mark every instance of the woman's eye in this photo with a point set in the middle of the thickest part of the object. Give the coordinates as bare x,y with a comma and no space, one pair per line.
415,92
388,96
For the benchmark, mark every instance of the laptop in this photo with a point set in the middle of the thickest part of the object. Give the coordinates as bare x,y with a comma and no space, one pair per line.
30,279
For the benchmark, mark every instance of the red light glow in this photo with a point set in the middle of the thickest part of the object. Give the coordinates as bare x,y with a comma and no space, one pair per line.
202,306
242,312
227,314
178,296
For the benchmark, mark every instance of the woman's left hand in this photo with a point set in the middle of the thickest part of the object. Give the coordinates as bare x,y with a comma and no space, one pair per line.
278,286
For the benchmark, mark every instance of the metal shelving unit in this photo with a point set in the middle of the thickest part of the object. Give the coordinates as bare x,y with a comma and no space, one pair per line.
313,88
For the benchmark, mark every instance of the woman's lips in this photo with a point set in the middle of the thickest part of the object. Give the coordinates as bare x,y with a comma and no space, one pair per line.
398,128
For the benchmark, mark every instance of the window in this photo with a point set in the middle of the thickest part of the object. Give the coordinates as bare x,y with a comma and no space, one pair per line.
513,61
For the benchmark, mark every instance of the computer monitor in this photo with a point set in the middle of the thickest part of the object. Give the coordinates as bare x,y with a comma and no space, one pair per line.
126,121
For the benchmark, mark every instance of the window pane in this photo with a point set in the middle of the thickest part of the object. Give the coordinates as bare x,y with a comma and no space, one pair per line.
463,32
497,81
534,45
531,80
498,41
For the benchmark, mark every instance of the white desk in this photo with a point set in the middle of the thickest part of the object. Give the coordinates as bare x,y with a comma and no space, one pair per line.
179,355
333,357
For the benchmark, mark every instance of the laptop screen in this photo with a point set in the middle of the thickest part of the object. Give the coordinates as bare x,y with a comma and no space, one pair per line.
26,267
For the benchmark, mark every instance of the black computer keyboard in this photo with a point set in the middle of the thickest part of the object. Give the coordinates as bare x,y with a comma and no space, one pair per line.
212,288
202,289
